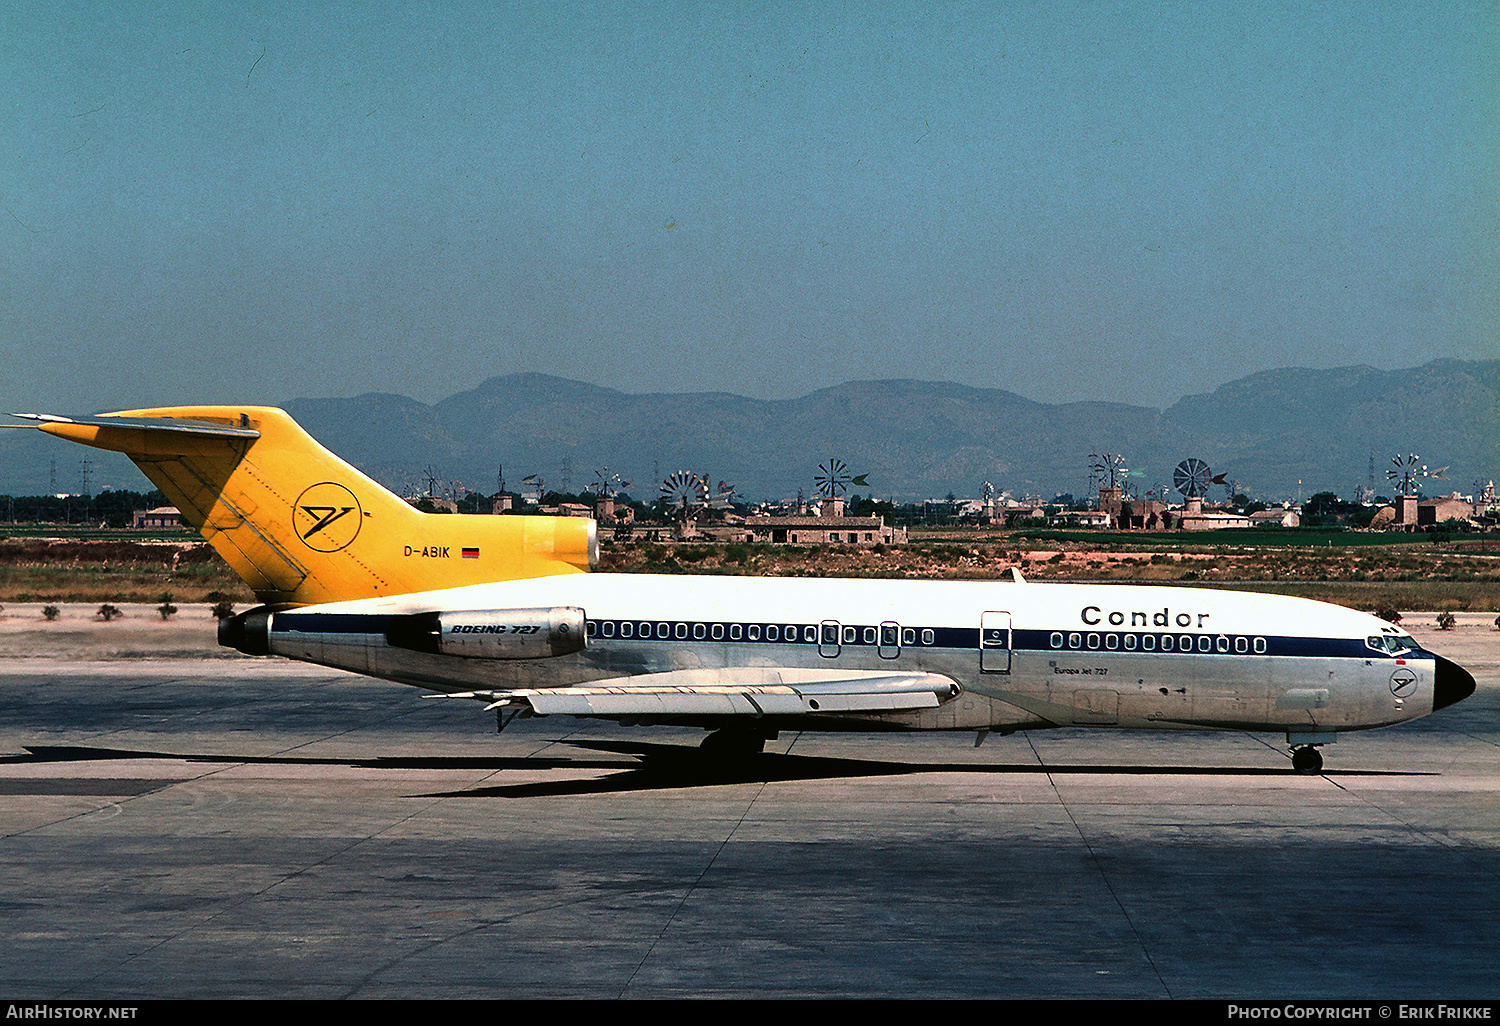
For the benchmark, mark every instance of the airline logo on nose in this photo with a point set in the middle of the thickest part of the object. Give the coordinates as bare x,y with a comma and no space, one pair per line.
327,517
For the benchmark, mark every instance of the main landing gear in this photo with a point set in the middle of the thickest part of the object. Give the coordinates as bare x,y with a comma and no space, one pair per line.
734,743
1307,759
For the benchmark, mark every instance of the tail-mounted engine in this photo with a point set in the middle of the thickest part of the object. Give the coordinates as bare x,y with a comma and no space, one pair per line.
491,633
472,633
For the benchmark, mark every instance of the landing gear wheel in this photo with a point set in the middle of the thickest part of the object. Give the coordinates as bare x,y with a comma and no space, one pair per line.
730,744
1307,759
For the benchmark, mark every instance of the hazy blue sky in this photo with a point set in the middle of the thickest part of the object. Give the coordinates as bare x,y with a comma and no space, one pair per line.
1127,201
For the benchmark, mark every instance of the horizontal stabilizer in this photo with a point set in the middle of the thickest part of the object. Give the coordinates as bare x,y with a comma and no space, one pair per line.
737,691
54,424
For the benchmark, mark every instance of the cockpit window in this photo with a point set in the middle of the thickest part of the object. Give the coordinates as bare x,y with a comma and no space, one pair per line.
1392,644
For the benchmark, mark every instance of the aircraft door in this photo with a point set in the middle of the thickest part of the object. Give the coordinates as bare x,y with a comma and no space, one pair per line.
890,640
994,642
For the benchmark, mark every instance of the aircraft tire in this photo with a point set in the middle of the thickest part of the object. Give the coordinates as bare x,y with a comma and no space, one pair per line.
1307,759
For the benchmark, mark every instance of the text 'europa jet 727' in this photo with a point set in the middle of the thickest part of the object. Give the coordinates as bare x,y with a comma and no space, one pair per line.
502,610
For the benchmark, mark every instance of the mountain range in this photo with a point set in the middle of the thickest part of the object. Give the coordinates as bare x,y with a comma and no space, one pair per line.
1275,434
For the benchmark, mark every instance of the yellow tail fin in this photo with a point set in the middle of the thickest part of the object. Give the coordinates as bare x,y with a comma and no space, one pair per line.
301,526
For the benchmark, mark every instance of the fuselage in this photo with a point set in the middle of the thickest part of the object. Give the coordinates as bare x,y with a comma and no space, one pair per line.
1020,655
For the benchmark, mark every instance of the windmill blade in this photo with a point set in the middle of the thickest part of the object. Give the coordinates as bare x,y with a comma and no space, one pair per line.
833,477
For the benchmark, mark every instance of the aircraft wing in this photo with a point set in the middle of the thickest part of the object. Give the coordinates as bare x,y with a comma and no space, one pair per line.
733,691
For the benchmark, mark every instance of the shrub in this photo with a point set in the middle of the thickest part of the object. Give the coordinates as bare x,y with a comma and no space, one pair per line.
166,609
50,613
107,612
1388,615
223,609
1445,621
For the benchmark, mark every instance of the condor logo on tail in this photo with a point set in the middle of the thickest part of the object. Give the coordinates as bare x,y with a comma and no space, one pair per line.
328,517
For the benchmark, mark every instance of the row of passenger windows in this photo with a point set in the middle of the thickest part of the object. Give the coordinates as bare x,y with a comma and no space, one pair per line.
887,635
1239,644
892,635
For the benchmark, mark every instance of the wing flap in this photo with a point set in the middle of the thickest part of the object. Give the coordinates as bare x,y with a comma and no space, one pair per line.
738,691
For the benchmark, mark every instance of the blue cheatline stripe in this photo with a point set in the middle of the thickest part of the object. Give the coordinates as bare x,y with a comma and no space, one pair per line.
1149,643
331,623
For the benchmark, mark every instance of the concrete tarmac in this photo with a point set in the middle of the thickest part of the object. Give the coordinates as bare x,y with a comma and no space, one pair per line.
238,828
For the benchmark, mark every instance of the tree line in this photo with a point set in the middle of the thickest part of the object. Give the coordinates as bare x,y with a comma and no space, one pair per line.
108,508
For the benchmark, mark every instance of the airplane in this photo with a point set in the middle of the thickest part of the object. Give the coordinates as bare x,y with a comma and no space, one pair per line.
503,610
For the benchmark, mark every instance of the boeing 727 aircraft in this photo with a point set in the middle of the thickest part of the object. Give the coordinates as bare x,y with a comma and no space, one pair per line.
502,610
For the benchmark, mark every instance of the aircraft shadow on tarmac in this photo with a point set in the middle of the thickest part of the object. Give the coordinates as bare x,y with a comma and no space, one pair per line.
653,767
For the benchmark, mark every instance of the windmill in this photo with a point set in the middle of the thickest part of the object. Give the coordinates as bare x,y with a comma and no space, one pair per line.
607,484
1406,472
687,492
833,479
1192,478
1110,465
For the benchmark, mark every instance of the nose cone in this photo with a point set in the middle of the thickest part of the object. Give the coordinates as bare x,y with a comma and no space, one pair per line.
1453,684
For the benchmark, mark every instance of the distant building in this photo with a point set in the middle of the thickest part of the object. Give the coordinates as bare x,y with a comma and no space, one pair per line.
1444,507
1194,518
1276,518
160,518
1406,511
1082,518
825,531
1144,513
